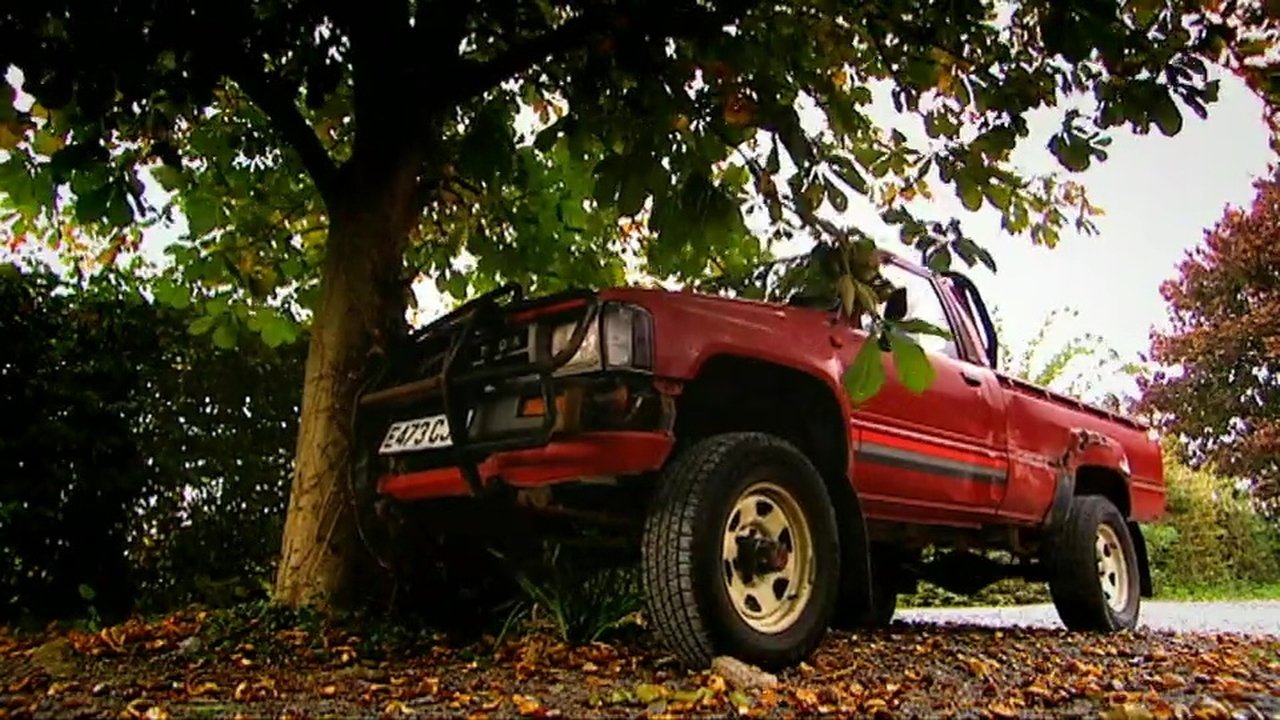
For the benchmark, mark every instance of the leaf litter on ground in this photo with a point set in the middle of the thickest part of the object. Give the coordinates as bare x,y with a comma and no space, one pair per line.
272,667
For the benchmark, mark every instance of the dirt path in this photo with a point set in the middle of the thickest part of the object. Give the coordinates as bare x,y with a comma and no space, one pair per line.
158,671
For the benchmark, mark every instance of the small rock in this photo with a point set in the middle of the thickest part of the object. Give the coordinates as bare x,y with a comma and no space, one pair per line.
100,689
740,675
190,646
1207,708
55,657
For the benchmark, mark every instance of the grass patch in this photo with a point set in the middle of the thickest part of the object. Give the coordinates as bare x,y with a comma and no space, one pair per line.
1219,591
1018,592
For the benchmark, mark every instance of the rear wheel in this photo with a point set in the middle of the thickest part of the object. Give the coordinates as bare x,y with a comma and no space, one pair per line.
1094,569
741,555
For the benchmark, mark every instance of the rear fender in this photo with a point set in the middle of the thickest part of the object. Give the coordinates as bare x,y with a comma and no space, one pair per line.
1087,453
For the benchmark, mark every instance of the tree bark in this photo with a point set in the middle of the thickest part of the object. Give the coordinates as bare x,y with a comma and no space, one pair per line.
361,307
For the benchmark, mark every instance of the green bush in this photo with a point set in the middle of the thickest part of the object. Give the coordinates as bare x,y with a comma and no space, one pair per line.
1212,536
139,466
1212,542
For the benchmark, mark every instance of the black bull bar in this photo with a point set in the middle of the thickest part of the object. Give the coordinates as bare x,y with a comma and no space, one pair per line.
455,385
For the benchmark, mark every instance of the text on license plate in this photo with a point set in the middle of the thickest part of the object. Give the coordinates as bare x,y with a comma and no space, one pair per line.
426,433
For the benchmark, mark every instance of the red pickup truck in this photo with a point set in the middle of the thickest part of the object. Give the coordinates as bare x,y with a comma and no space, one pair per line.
713,435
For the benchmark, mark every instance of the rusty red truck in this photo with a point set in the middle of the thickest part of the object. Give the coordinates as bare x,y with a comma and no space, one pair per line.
714,437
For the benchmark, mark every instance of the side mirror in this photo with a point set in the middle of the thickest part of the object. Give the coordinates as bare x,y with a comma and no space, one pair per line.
895,308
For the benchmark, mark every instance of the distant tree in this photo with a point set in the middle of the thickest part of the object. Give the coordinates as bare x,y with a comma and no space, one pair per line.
1220,394
329,152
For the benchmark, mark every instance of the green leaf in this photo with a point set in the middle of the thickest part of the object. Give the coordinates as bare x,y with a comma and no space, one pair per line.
201,325
169,177
634,189
814,193
224,336
914,369
915,326
172,294
92,206
970,193
1074,153
572,213
865,375
278,330
940,260
608,173
836,195
47,143
848,172
86,592
202,214
119,214
1166,114
998,194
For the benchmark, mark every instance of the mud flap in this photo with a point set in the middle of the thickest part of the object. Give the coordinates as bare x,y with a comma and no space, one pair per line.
855,598
1145,587
1063,495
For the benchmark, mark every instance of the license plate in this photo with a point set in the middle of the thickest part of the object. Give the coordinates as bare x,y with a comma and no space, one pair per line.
428,433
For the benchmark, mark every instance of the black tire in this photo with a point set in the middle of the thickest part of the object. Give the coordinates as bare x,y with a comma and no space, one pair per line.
684,573
1080,591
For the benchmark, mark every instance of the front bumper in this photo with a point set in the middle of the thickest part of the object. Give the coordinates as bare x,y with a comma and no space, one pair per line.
608,422
588,455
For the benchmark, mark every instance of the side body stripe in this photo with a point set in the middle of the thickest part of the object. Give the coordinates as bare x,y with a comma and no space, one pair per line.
929,458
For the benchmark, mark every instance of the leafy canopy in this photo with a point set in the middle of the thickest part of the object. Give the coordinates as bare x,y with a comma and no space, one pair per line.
556,142
1221,393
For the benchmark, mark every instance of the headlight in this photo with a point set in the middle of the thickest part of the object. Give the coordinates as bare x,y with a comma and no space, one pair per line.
618,337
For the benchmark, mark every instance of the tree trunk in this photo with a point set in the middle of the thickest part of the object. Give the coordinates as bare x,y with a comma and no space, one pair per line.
361,305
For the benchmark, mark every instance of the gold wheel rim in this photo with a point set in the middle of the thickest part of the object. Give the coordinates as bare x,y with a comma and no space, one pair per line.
1113,569
767,562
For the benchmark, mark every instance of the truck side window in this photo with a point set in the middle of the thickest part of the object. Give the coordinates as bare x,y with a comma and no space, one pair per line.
924,304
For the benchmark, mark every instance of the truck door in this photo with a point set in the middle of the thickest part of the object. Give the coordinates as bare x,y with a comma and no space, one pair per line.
939,456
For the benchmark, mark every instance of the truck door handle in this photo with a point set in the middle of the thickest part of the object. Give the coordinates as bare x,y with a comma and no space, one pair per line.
970,378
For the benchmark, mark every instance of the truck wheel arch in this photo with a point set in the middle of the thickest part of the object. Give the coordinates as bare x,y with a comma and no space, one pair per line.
1108,482
1112,483
802,405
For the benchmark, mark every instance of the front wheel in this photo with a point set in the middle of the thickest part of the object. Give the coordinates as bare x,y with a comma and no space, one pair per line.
741,555
1094,569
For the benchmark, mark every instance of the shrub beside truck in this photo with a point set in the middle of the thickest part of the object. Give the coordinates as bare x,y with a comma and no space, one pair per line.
714,437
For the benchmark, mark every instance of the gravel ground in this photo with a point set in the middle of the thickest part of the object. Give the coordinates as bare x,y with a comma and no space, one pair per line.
1259,617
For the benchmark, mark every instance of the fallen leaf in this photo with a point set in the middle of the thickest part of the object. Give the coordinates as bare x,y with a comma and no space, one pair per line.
1127,711
1002,710
648,692
396,707
526,705
204,688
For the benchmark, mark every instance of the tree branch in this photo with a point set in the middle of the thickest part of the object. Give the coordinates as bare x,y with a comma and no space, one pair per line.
382,67
479,77
682,20
275,100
